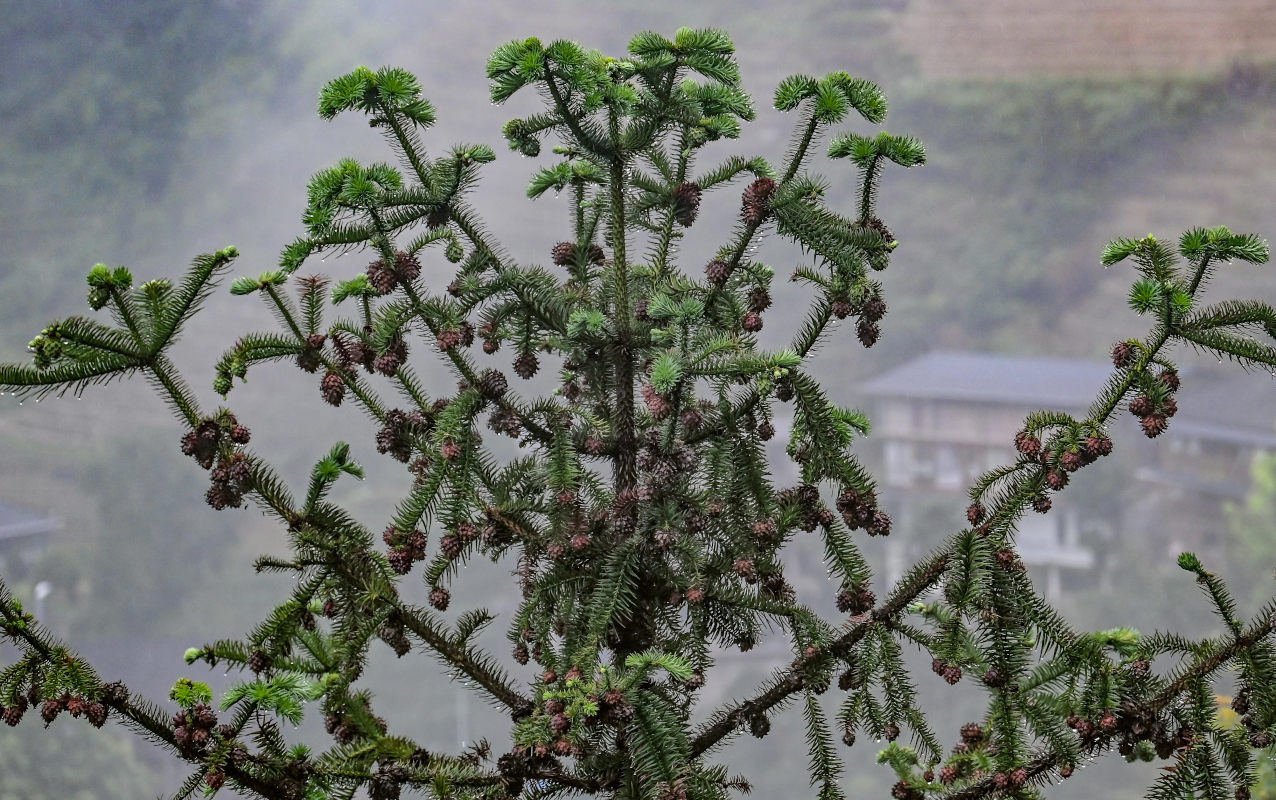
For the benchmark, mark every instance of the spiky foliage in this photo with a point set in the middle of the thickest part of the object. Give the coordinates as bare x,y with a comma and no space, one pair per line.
644,524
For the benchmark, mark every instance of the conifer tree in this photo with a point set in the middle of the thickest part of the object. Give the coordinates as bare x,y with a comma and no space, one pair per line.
643,523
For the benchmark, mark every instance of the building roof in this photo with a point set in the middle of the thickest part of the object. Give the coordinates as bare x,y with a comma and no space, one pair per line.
993,378
1227,405
16,522
1224,405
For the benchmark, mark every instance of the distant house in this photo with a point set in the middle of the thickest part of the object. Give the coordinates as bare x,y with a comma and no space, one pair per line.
943,418
1227,420
24,536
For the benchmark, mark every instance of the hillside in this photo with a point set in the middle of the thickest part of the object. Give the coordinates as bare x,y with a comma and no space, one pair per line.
1008,39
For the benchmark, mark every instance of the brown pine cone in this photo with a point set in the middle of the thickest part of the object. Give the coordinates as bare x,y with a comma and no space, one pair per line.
867,332
1123,354
686,203
717,271
333,389
564,253
755,202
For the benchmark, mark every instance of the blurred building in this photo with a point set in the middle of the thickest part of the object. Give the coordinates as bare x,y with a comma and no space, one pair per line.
1227,420
24,535
941,420
991,39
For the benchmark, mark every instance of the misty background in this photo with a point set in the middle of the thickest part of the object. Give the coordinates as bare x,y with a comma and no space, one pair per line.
146,132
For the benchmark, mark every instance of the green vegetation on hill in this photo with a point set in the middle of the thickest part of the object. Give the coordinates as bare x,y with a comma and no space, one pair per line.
38,766
95,104
1022,173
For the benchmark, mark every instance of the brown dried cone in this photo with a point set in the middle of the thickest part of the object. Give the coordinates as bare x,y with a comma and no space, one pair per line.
114,693
717,271
856,509
564,254
764,530
76,706
437,217
1142,406
448,338
1098,446
525,364
657,404
396,437
867,332
686,203
308,360
1056,479
759,725
1154,425
381,277
440,597
1041,503
841,307
972,733
879,226
751,322
1170,379
855,600
874,309
258,661
49,710
451,546
1123,354
406,266
387,364
903,791
1028,444
881,524
394,635
759,299
201,443
1071,461
492,384
96,715
333,389
12,715
755,202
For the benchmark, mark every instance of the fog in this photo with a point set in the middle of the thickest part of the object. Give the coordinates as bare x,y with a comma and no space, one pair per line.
1045,140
